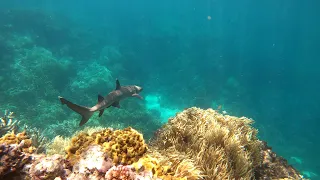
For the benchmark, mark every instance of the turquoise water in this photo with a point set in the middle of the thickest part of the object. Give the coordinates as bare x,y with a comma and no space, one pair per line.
248,58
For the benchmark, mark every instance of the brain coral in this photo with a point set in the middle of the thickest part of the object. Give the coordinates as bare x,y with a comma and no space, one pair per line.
225,147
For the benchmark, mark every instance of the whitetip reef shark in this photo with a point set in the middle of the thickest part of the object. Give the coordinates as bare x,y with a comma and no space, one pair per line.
112,99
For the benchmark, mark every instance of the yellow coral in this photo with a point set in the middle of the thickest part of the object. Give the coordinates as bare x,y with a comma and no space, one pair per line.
168,164
77,145
12,138
127,146
226,147
57,146
123,146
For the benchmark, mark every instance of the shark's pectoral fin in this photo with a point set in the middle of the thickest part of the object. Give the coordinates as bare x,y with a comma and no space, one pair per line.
137,96
118,86
116,104
101,112
100,98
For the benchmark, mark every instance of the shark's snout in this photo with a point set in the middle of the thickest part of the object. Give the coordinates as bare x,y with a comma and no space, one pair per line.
138,88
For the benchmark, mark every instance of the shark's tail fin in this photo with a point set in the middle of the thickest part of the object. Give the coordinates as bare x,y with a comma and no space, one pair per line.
83,111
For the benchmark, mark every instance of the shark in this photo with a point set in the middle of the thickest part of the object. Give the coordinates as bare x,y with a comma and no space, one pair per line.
112,99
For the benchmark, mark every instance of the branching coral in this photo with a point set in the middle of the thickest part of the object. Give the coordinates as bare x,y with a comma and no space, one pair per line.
225,147
8,123
38,140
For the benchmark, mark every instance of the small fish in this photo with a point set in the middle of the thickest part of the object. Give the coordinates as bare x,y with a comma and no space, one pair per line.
112,99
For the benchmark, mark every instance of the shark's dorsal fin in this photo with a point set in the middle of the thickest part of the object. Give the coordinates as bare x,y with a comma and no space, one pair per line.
118,86
100,98
116,104
101,112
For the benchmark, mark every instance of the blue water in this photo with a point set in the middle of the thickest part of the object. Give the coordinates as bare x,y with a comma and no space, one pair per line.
257,59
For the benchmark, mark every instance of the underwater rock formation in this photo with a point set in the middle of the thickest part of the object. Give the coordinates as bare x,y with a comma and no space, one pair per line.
195,144
12,158
45,167
274,167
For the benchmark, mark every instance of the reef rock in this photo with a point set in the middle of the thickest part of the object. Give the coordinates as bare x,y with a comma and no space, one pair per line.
274,167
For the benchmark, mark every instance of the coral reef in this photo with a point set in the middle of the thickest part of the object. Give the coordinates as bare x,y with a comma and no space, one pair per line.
32,72
196,144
